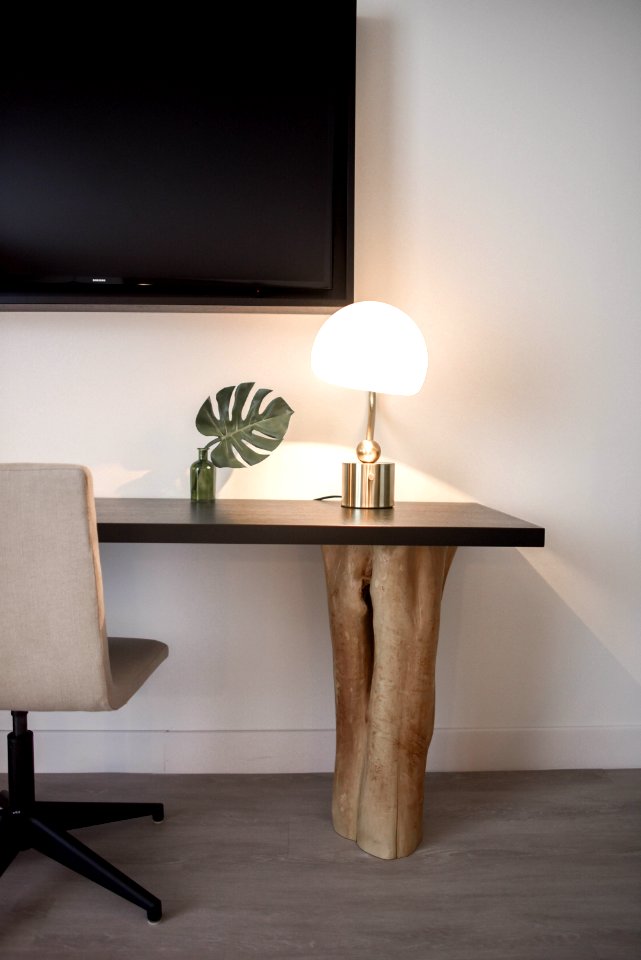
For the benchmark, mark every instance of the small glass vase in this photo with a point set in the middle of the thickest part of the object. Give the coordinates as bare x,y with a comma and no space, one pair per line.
202,475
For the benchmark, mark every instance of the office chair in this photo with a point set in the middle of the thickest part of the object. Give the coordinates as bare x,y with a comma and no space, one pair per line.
55,655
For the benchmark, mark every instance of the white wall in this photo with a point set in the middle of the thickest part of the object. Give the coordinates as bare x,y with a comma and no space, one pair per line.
498,202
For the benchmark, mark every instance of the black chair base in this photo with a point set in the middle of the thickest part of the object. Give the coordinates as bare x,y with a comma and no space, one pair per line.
27,823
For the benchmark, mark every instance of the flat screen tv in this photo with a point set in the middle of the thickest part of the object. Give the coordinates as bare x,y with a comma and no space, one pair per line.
184,163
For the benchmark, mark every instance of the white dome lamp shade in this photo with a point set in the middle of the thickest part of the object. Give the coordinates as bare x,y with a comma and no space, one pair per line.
370,345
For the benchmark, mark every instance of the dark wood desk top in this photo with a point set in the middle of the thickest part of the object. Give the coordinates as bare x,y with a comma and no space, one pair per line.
160,520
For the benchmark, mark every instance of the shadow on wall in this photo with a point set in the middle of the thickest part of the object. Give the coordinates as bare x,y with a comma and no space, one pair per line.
514,654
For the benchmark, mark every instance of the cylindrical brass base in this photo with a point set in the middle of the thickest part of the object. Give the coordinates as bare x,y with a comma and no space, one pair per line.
368,485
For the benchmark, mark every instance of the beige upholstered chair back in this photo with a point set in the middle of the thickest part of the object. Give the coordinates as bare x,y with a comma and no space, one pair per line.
54,653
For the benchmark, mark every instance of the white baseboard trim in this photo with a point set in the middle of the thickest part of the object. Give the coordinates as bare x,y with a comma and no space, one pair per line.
538,748
312,751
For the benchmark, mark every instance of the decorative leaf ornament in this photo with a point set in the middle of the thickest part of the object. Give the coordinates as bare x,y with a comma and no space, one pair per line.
239,439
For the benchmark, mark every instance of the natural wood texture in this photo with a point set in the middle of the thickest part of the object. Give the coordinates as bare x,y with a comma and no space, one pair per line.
159,520
539,865
384,607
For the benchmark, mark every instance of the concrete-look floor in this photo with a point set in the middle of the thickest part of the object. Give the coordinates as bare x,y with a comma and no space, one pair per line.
525,866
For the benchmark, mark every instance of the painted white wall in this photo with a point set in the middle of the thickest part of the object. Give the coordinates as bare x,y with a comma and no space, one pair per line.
498,202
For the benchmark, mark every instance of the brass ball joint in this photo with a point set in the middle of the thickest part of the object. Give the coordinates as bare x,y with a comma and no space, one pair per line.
368,451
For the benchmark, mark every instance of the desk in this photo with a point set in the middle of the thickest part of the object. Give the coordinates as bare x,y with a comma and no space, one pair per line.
385,572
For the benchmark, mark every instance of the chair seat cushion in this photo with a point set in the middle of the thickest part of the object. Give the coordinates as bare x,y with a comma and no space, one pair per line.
132,661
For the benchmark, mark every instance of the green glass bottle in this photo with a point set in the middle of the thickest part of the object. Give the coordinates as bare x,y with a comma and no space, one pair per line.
203,477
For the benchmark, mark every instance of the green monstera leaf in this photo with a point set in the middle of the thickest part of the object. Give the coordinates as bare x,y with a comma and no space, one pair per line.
238,438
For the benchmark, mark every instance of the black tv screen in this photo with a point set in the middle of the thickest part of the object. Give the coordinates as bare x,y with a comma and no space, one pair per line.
184,164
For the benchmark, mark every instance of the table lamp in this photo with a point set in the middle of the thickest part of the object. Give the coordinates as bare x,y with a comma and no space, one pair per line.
370,345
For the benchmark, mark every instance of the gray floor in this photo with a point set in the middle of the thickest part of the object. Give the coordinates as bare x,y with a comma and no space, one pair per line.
513,865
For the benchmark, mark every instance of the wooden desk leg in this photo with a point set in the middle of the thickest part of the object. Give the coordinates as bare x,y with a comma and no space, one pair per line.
384,610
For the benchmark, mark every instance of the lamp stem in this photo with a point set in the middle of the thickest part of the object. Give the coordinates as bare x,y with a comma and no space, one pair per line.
371,416
368,483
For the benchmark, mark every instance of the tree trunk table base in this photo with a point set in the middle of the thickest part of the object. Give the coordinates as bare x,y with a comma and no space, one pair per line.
384,611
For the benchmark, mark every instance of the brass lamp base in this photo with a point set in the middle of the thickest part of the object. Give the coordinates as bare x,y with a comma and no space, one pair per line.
368,485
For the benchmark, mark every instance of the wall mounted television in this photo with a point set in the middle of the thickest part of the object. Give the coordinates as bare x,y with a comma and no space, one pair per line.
180,166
